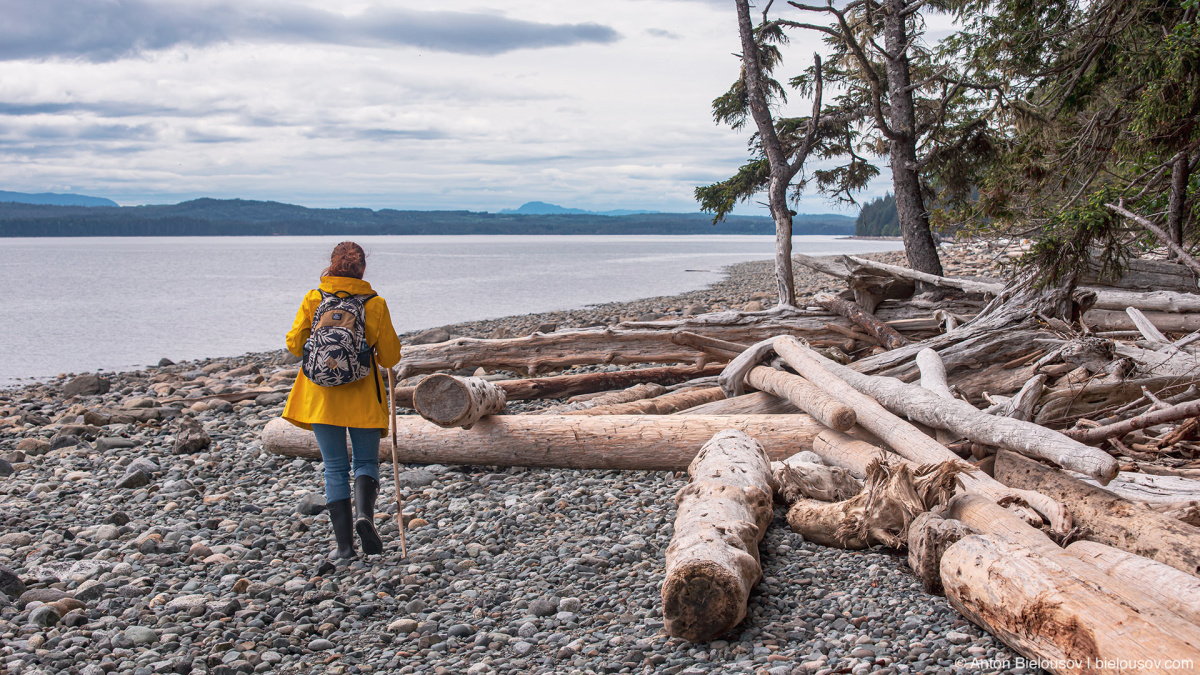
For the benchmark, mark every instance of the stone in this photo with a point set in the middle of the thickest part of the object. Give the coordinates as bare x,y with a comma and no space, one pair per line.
134,480
10,583
185,603
140,402
89,591
693,310
143,464
106,443
311,503
88,384
543,607
649,316
402,626
16,539
6,468
191,437
107,532
460,630
164,362
415,606
43,595
527,629
956,638
33,446
141,635
199,551
60,441
569,605
753,306
548,327
270,399
44,615
429,337
522,648
417,478
320,645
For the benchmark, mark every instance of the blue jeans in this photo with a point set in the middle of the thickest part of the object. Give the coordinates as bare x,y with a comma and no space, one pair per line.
332,441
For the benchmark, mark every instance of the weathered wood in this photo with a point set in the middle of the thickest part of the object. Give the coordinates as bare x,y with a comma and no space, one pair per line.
722,515
966,285
1165,585
953,415
929,536
711,345
757,403
1021,406
795,478
1145,327
635,393
1066,399
1037,604
933,373
659,405
905,439
450,401
1163,237
1151,489
635,442
1112,520
804,395
1149,419
560,386
1112,319
838,449
885,334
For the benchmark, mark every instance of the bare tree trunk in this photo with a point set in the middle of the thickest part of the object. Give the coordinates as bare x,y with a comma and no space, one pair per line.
783,242
1176,207
906,180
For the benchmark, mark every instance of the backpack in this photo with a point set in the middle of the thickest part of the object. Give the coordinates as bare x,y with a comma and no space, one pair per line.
336,351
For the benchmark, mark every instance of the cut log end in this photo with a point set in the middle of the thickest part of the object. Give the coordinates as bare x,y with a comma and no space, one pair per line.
450,401
702,600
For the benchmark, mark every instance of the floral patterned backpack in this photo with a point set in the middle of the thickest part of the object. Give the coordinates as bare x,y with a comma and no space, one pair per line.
336,351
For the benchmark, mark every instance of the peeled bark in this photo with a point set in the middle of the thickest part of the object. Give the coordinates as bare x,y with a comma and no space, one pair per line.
633,442
659,405
712,562
1039,605
1165,585
1111,519
929,536
450,401
957,416
635,393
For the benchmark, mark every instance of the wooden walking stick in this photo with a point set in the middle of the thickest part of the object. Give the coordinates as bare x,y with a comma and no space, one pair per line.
396,464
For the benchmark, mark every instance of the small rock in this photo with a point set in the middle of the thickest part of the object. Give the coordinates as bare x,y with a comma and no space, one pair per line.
191,437
270,399
185,602
88,384
549,327
6,468
415,606
164,362
10,584
460,630
106,443
320,645
44,615
107,532
141,635
649,316
199,551
527,630
431,336
311,504
89,591
402,626
140,402
143,464
956,638
522,648
417,478
16,539
136,479
753,306
569,605
43,595
543,607
33,446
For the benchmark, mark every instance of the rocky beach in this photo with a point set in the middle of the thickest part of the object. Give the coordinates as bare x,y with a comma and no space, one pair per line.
145,530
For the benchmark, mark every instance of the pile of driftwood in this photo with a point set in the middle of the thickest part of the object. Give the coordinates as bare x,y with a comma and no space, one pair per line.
1035,449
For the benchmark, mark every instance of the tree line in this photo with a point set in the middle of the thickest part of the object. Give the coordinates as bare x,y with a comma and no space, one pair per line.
1072,122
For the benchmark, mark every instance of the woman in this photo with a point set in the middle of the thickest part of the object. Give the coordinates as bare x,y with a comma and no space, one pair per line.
338,310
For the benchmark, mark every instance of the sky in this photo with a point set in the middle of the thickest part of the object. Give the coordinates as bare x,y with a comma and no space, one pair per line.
376,103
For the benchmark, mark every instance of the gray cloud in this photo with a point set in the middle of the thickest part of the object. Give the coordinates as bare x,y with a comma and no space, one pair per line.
113,29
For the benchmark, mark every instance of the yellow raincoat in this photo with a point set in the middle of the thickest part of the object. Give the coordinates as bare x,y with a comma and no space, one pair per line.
356,404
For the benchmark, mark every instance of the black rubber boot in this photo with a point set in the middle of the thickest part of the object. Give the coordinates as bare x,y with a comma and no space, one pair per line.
343,527
365,489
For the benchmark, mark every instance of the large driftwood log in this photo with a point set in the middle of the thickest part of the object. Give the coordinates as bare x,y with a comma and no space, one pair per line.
757,403
885,334
659,405
1067,399
795,478
450,401
1165,585
712,562
635,442
560,386
1148,419
929,536
1112,520
856,456
1141,487
1041,608
1117,319
804,395
635,393
960,417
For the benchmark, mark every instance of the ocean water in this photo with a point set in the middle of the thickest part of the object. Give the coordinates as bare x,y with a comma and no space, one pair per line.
115,303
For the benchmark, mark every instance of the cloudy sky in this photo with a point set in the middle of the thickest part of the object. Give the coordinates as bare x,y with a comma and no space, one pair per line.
376,103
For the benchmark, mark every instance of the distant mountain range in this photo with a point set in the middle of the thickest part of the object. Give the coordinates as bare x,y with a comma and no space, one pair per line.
226,217
54,199
544,209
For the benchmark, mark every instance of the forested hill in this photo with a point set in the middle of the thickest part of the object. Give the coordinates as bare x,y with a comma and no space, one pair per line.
241,217
878,218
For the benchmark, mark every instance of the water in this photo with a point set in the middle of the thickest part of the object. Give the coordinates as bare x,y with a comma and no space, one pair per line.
113,303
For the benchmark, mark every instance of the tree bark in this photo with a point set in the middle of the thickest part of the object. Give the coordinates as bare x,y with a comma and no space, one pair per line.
1165,585
885,334
633,442
1037,604
450,401
1177,202
665,404
1112,520
1162,236
906,180
635,393
712,562
957,416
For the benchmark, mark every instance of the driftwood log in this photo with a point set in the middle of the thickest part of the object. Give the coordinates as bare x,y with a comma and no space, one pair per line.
1154,490
883,333
838,449
801,477
1111,519
635,442
757,403
960,417
1048,604
905,439
450,401
635,393
1175,590
1148,419
929,536
712,562
659,405
804,395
